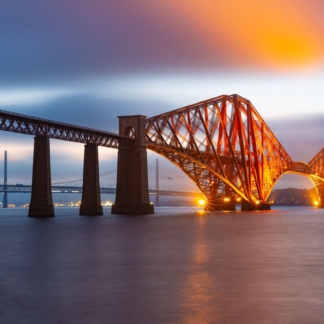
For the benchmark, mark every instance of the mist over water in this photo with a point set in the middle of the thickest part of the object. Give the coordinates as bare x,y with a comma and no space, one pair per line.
179,265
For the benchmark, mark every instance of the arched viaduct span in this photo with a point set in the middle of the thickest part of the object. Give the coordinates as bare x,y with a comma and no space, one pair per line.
222,144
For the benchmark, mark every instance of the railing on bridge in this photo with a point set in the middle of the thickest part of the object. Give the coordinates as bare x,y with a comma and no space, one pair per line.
317,164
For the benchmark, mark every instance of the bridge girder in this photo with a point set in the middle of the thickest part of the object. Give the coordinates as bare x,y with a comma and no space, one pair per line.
18,123
206,178
227,138
319,186
317,164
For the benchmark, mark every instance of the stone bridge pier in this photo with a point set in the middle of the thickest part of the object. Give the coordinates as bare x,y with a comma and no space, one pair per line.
91,200
132,194
41,203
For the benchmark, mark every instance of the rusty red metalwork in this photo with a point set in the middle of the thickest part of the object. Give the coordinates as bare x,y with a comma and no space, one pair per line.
224,146
317,174
317,164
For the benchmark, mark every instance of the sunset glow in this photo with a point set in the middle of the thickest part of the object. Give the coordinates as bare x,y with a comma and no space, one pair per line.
273,34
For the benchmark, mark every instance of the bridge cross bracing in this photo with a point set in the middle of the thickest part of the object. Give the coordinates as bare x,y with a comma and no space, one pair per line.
226,148
18,123
222,144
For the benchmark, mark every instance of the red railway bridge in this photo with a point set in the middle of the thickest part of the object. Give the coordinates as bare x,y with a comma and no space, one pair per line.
222,144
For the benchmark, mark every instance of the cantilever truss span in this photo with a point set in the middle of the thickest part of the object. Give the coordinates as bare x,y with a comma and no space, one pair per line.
23,124
224,146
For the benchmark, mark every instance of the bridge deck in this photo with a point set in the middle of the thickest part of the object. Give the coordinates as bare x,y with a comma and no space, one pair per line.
18,123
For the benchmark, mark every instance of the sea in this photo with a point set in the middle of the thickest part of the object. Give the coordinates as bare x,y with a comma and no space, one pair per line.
179,265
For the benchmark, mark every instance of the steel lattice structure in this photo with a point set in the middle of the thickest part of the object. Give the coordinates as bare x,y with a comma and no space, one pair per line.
317,174
23,124
224,146
317,164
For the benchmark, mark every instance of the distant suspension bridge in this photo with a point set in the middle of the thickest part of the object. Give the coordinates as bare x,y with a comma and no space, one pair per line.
19,181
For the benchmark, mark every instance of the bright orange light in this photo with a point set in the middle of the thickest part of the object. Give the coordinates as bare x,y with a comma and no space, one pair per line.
257,202
293,40
316,203
238,199
201,202
226,199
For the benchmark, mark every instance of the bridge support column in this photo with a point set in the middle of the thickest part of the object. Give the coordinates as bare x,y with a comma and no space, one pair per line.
41,203
132,194
91,201
246,206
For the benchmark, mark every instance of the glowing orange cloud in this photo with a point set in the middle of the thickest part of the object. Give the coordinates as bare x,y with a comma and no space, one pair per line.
276,33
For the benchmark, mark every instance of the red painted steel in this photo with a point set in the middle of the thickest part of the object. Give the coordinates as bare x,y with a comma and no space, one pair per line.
317,169
224,146
317,164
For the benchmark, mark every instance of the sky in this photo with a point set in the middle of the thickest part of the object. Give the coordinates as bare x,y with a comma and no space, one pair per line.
88,61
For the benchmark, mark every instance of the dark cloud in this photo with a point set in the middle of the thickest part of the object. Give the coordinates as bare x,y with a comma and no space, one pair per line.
58,39
86,110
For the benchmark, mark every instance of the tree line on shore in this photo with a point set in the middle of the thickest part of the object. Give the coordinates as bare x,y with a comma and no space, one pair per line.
293,197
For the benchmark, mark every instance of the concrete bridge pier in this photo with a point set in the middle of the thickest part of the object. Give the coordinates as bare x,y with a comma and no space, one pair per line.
91,201
132,194
41,203
247,206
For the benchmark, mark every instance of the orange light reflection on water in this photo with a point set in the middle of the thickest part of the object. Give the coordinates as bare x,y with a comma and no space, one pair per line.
199,296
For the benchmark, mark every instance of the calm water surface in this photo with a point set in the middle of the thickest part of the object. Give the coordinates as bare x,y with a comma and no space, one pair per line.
177,266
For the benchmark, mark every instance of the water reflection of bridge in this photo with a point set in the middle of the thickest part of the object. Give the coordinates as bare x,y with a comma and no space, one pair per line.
222,144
